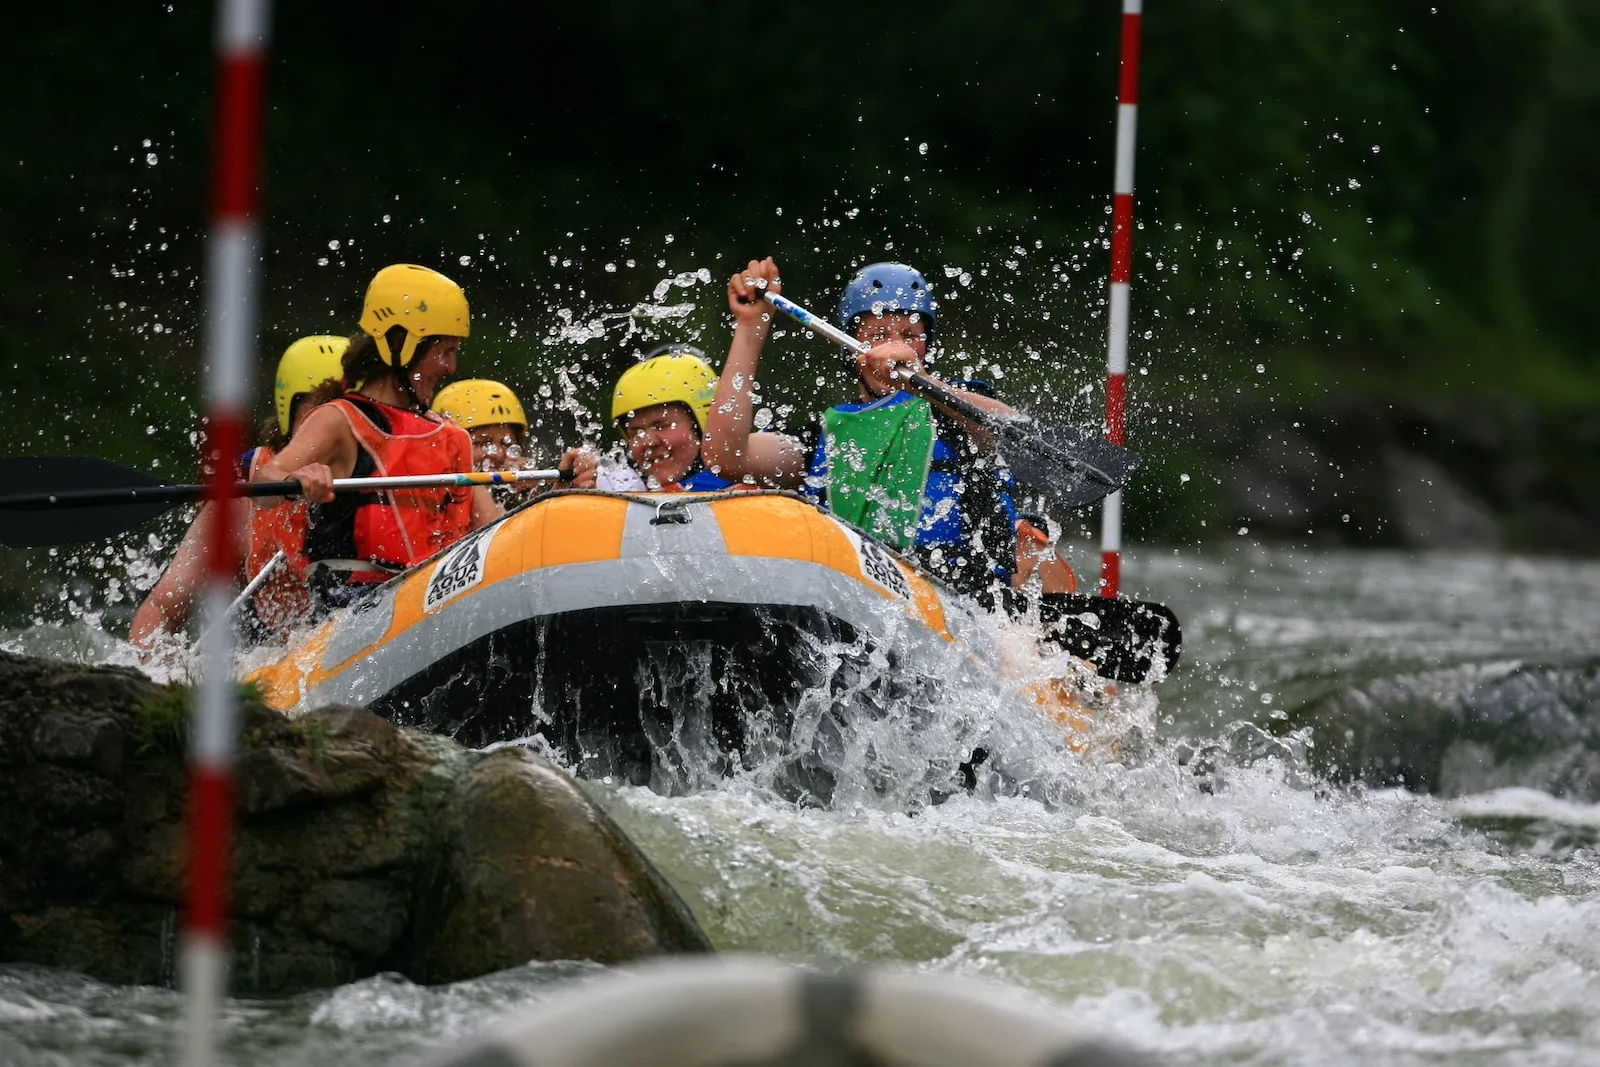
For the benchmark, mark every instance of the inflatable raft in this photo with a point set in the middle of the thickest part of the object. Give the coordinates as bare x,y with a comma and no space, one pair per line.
649,638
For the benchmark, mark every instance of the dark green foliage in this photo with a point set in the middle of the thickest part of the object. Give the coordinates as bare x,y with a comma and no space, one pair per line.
1453,261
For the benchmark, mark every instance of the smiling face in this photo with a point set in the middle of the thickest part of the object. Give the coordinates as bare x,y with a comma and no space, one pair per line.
437,364
496,447
663,441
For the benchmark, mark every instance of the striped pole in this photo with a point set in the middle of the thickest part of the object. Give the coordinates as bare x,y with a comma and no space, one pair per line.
232,256
1121,269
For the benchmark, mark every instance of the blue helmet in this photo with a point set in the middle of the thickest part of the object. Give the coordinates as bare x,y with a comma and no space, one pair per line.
882,287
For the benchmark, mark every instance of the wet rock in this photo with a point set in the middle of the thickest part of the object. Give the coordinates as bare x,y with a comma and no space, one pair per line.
515,820
1433,510
361,847
1462,730
1409,472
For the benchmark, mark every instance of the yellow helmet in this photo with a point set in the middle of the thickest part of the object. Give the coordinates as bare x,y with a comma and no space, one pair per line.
305,365
424,301
479,402
678,377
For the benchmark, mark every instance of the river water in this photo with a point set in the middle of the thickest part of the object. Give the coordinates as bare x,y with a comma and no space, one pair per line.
1214,899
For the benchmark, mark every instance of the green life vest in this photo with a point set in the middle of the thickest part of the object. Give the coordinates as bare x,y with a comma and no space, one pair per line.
878,467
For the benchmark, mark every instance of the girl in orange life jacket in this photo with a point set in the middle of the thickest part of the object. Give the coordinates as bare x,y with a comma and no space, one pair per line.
412,321
282,600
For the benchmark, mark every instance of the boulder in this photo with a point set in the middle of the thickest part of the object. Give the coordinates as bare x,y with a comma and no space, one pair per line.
361,847
1460,730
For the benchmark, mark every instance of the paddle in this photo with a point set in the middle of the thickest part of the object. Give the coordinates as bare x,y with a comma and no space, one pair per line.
106,499
1124,639
1071,467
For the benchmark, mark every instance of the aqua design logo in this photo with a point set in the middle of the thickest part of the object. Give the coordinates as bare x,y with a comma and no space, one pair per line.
458,570
877,566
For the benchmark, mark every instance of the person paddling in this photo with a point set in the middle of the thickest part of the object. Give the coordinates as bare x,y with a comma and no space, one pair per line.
282,600
494,418
912,474
413,321
659,407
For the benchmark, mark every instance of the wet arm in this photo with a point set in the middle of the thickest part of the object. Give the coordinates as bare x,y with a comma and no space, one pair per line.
980,437
324,440
732,448
168,606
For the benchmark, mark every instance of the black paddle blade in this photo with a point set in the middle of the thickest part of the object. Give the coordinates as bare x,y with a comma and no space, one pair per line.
1071,467
36,523
1124,639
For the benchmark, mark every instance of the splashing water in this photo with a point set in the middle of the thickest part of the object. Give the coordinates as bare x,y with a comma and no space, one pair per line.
1206,897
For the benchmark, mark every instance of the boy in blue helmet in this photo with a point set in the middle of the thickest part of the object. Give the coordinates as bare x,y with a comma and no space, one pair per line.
909,472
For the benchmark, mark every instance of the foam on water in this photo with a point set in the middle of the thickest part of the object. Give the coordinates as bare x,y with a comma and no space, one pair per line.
1305,925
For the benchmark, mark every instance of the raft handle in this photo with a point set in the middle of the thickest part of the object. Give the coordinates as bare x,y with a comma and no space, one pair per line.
671,513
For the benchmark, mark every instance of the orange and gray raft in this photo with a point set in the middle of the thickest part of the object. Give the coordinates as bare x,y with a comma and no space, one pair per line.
594,619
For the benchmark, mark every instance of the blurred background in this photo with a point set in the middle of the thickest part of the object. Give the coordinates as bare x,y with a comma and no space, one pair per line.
1362,303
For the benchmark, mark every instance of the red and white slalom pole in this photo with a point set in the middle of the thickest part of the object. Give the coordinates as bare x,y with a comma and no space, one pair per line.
1121,269
233,255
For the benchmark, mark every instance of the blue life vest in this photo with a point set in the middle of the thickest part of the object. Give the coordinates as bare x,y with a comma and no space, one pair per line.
703,481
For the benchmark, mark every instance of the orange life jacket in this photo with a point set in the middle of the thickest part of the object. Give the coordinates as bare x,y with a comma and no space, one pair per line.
283,599
400,527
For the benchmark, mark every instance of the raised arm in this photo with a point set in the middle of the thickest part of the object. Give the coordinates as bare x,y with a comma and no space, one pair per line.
732,447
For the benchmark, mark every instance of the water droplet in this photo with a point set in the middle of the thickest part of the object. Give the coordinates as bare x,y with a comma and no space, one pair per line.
923,148
1354,184
333,246
150,159
465,261
1261,368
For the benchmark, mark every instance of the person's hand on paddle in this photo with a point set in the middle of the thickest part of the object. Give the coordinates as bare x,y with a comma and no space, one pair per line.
886,365
316,482
582,465
746,289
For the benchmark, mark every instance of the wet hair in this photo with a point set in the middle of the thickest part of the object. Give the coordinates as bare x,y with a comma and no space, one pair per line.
364,363
269,436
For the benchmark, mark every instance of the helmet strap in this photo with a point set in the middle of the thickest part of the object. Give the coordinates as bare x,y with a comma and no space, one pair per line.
410,390
403,371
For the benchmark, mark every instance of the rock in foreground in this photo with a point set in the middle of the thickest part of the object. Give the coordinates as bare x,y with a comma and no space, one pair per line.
361,847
